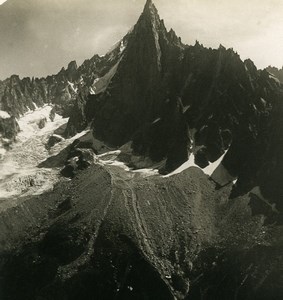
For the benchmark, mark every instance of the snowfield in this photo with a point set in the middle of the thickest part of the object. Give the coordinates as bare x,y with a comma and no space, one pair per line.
30,121
19,173
4,115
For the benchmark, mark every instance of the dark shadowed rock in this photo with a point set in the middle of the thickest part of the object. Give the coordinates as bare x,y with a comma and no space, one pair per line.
53,140
78,159
41,123
9,128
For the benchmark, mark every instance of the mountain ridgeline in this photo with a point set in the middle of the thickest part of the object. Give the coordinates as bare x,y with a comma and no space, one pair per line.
170,101
63,90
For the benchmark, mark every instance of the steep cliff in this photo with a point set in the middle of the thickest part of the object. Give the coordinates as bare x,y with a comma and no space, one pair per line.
172,101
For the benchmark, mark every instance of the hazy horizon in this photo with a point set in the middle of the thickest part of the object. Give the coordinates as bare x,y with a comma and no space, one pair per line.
39,38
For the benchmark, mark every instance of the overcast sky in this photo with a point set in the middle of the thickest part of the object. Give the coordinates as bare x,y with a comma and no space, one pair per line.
38,37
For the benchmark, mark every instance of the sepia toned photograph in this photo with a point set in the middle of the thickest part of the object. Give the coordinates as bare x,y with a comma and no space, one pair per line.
141,150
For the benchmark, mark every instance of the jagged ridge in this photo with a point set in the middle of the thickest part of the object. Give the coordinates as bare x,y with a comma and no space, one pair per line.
65,90
171,100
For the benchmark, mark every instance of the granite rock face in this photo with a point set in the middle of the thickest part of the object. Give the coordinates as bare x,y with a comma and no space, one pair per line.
172,100
9,128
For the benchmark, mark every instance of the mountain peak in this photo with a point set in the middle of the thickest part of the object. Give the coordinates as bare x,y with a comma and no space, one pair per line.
149,4
72,65
150,8
150,17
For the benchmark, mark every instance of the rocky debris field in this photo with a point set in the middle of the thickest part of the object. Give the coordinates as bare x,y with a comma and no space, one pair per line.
113,234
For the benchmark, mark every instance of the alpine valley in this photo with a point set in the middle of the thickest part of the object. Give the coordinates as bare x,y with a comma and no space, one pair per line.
152,172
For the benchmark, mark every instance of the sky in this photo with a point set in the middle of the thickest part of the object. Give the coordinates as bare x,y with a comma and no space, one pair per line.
39,37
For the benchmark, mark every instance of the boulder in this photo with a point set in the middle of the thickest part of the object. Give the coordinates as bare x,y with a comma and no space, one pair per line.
53,140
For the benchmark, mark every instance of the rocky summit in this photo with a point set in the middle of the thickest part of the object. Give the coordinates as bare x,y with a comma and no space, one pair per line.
152,172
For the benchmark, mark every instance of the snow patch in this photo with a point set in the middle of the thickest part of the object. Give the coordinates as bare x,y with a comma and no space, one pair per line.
156,120
72,85
115,152
4,115
58,136
271,76
91,91
191,163
79,135
186,108
146,172
263,101
122,47
2,152
115,163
